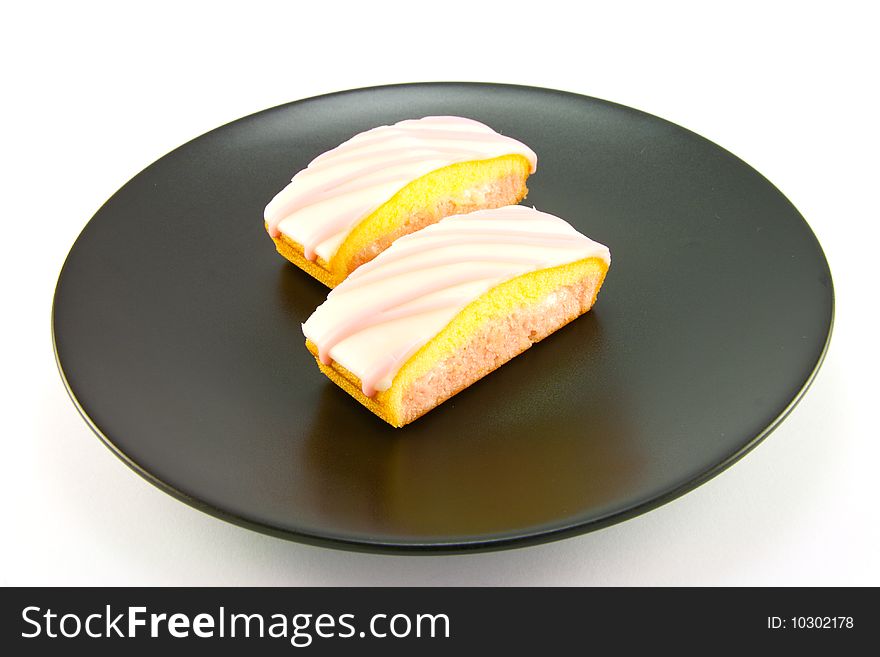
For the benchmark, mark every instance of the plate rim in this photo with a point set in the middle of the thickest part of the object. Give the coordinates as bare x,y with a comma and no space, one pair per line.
481,544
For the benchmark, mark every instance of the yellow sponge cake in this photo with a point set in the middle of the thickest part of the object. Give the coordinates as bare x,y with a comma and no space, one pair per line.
353,201
443,307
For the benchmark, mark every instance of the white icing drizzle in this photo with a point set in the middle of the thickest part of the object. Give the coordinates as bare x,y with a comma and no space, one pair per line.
327,199
391,306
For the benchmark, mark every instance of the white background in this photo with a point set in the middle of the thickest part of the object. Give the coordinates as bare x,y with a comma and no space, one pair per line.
94,92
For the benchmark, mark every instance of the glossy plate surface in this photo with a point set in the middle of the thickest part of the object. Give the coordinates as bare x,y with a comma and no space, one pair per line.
177,330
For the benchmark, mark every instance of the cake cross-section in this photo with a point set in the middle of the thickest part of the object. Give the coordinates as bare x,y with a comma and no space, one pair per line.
350,203
443,307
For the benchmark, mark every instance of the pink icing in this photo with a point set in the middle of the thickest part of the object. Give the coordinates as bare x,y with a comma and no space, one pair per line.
414,245
388,308
389,362
331,225
419,264
442,139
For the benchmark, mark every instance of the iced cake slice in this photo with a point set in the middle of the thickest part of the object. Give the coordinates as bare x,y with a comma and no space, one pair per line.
444,306
353,201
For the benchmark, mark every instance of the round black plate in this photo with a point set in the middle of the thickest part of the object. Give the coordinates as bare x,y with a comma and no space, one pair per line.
177,330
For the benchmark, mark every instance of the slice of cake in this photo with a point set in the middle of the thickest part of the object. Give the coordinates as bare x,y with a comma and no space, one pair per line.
352,202
443,307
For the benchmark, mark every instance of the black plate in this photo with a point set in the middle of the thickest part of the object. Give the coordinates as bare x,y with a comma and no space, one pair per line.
177,330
